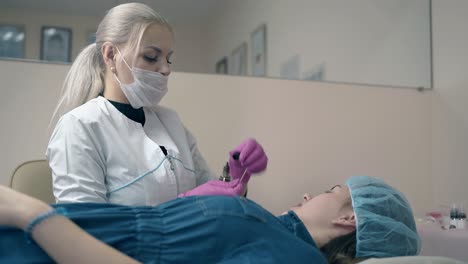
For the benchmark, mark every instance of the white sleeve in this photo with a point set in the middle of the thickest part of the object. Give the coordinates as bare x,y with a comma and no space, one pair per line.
78,169
202,171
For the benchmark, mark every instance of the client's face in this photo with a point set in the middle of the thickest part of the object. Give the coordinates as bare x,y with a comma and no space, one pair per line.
322,210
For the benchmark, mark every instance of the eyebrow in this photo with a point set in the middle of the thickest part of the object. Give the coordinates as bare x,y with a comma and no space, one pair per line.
331,189
158,49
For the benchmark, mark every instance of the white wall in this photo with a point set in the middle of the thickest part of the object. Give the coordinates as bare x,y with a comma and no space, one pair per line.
29,93
190,49
450,105
366,41
316,134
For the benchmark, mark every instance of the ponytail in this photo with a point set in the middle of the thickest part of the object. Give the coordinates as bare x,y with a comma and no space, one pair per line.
84,81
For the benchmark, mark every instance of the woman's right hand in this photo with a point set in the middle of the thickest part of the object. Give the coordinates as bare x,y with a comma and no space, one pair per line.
17,209
251,159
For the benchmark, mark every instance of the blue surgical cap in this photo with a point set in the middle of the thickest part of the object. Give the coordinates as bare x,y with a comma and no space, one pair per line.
385,225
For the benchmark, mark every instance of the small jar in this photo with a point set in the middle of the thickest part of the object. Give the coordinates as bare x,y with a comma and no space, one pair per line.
225,177
453,216
461,223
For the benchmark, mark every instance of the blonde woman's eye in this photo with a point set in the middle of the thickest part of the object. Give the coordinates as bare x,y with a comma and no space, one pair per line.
150,59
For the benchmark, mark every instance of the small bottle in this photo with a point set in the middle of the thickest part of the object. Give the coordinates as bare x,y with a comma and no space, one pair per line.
225,177
461,223
453,216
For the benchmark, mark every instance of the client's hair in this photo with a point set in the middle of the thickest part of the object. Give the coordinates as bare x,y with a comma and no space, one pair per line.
342,250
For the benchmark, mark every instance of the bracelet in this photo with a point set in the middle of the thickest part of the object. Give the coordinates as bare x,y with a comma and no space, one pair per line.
39,219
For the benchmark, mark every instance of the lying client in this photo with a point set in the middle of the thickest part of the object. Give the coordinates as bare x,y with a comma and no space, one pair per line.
362,219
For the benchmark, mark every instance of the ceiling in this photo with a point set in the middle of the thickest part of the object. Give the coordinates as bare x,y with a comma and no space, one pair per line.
176,11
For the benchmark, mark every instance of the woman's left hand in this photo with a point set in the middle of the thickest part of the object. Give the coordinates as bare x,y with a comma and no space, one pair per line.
216,187
17,209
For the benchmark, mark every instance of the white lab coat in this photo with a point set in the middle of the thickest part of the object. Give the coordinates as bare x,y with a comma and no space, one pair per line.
95,150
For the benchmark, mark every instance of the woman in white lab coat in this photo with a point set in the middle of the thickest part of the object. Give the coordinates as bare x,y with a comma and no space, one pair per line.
112,140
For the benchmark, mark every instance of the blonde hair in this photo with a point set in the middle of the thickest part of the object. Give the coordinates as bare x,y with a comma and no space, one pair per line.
123,24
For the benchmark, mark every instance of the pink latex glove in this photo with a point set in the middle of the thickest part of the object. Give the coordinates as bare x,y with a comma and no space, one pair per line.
216,187
252,159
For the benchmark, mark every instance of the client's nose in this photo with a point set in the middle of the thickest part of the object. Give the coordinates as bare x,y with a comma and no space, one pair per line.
307,197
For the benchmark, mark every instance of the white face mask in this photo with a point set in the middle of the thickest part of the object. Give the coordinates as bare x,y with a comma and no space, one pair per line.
147,89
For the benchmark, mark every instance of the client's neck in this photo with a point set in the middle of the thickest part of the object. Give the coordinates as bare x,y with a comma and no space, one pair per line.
321,236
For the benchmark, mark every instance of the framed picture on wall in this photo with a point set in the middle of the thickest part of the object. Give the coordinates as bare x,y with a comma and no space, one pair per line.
317,73
239,60
259,51
12,41
56,44
222,66
290,68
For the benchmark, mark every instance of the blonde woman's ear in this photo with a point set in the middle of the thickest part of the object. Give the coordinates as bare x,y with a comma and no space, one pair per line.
108,53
